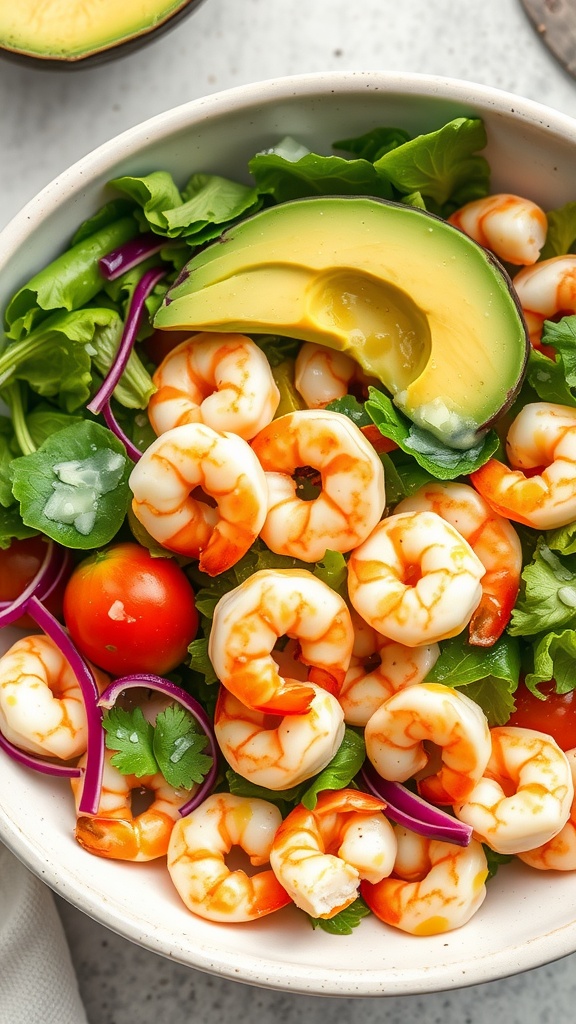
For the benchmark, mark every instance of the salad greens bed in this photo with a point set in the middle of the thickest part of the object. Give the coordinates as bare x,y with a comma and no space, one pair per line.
64,343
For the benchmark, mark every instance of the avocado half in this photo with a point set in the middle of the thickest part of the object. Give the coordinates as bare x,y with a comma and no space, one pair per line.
67,33
412,299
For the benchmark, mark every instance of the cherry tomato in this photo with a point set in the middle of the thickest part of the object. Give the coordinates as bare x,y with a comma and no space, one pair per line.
129,612
18,565
556,715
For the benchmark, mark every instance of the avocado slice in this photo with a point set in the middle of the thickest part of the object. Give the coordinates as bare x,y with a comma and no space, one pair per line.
412,299
88,31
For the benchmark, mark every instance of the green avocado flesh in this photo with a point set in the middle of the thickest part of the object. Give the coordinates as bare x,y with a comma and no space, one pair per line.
73,29
413,300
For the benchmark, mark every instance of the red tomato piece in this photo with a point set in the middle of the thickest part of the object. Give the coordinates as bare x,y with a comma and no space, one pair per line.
556,715
19,563
129,612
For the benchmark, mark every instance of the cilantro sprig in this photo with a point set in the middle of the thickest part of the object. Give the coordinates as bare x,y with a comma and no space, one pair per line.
173,746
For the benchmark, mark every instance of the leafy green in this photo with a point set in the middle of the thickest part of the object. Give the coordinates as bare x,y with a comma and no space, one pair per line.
70,281
441,165
373,144
554,658
403,475
12,527
430,453
345,920
155,193
554,380
563,539
547,595
349,406
277,349
178,747
199,660
75,487
489,675
284,799
561,234
332,570
45,420
495,860
172,746
314,175
339,773
128,733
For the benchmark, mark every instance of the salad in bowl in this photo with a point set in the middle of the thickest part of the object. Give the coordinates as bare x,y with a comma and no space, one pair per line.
286,526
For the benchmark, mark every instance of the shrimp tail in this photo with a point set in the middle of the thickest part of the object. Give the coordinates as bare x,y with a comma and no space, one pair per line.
327,680
226,546
113,838
509,492
492,615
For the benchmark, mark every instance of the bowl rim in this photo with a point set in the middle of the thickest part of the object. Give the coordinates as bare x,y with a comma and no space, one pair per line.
546,948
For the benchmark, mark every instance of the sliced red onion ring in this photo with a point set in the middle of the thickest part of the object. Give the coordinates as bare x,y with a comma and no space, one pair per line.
41,584
129,255
94,768
412,812
37,763
165,686
112,423
141,292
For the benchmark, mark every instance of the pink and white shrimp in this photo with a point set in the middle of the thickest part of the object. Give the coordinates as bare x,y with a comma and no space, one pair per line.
430,712
559,853
223,467
524,798
380,667
415,579
512,227
115,832
434,887
493,540
546,291
543,434
273,603
223,380
320,856
279,752
322,374
41,705
352,496
199,845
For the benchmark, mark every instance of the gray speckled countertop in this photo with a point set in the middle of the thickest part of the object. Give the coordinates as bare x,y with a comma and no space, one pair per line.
47,121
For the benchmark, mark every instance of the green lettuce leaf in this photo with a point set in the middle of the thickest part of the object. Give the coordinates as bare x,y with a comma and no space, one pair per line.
547,596
373,144
561,234
554,380
554,658
488,675
345,764
12,527
344,922
69,282
75,487
441,165
314,175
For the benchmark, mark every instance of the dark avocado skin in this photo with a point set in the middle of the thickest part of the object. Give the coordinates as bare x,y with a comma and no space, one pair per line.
105,55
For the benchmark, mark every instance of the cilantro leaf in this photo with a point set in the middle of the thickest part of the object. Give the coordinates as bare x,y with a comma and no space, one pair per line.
430,453
345,920
563,539
495,860
199,660
130,735
178,743
554,380
547,595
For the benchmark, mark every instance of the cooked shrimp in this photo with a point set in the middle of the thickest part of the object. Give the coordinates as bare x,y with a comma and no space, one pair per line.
415,580
559,853
436,887
278,753
320,856
199,845
491,537
352,496
41,704
510,226
114,831
226,469
378,668
223,380
546,291
321,374
525,795
249,620
542,435
396,733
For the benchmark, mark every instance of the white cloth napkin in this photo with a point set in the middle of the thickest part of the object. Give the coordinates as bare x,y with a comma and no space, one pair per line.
37,980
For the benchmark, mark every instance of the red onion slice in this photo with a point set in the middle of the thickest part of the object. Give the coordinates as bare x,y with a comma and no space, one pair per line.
112,423
37,763
141,292
94,768
412,812
129,255
165,686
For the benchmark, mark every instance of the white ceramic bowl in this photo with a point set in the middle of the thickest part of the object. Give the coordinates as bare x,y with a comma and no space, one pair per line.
529,917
